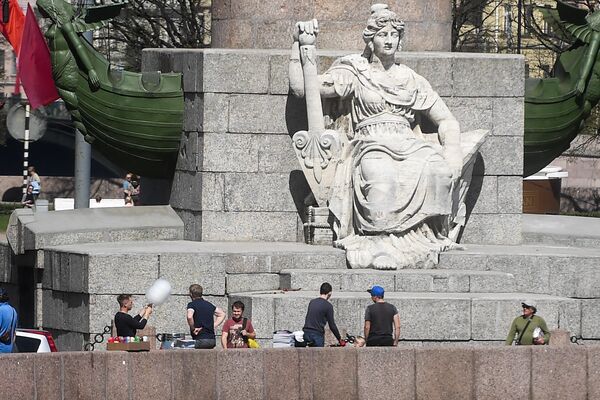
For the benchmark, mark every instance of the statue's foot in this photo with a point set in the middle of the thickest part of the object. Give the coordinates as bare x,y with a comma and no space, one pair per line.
384,263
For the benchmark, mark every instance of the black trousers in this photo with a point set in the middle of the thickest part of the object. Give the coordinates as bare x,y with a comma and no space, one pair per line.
378,341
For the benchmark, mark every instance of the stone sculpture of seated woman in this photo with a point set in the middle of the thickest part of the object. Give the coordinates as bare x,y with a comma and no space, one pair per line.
393,193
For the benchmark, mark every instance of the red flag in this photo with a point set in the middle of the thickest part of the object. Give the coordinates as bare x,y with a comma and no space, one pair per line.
13,30
35,67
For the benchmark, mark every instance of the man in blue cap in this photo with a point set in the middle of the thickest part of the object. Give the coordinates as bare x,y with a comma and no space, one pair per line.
8,323
382,322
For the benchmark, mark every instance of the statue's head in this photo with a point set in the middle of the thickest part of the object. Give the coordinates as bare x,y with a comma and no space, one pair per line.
58,11
382,21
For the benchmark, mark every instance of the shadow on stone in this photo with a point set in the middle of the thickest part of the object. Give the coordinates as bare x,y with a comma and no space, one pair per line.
301,193
295,114
474,188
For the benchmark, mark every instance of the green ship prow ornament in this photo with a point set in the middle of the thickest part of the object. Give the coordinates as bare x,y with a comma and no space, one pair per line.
556,108
134,119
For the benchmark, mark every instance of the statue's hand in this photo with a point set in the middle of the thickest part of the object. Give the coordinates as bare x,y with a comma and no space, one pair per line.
306,32
580,87
453,156
93,79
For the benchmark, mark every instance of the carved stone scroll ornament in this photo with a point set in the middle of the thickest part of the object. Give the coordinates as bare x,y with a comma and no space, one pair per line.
317,149
395,194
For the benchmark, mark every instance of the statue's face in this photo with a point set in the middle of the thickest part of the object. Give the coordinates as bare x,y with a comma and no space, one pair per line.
385,42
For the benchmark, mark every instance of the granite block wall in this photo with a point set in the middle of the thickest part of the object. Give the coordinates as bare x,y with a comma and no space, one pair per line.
237,176
80,283
267,25
522,373
457,317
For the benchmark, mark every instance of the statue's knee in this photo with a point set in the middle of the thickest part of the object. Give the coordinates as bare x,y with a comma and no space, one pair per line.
377,164
70,99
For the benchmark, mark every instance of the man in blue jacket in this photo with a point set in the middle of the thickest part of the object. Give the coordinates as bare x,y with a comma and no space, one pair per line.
8,323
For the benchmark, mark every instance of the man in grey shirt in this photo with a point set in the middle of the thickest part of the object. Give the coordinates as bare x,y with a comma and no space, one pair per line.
320,312
381,320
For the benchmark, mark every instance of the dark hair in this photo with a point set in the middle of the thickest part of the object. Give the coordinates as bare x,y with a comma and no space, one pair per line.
195,291
122,298
238,304
4,296
325,288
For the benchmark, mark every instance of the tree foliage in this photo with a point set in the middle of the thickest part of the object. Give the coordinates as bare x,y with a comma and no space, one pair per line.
505,25
473,28
155,24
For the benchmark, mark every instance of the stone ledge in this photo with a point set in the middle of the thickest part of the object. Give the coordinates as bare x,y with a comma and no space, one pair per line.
417,280
504,70
526,372
35,231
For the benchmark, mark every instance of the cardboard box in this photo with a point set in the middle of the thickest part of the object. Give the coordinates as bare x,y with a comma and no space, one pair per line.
139,346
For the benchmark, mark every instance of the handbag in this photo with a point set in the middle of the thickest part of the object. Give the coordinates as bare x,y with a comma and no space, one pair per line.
252,343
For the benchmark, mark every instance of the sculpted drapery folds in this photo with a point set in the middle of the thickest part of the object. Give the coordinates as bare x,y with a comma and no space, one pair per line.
395,192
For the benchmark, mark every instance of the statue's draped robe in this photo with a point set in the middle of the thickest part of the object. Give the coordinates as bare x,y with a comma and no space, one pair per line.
397,216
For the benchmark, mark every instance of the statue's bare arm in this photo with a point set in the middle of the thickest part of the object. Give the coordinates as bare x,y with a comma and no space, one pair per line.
449,133
75,41
588,62
305,33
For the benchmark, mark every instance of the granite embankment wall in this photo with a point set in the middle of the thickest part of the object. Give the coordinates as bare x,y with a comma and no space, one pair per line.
503,373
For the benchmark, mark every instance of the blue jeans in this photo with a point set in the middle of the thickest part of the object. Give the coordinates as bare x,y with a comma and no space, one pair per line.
315,337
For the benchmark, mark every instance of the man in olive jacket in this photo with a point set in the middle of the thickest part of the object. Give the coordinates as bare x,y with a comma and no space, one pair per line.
525,325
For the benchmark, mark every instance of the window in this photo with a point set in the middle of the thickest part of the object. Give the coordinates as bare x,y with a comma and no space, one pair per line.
508,20
547,27
529,22
474,11
27,345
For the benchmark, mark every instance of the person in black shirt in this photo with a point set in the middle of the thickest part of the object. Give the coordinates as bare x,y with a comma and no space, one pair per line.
320,312
203,319
126,324
29,199
381,319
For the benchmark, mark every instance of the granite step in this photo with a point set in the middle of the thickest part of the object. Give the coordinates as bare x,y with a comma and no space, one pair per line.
561,230
29,231
555,270
424,316
407,280
92,267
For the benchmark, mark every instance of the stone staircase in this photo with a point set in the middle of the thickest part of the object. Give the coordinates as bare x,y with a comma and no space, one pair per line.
470,297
